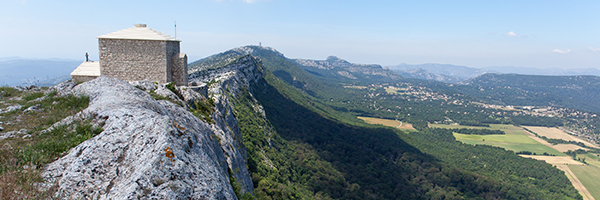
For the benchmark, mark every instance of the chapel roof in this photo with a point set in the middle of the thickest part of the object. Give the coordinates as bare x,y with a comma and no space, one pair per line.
138,32
87,68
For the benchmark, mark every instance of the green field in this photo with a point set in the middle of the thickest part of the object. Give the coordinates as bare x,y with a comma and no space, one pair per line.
590,159
399,91
515,139
588,175
460,126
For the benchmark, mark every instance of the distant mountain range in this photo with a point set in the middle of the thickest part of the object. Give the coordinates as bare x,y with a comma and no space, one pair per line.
344,71
455,74
17,71
549,72
46,72
438,72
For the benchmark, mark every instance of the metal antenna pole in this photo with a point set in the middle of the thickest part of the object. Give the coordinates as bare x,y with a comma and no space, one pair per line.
176,29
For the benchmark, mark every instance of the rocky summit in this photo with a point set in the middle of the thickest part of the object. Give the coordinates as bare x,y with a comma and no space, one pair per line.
157,149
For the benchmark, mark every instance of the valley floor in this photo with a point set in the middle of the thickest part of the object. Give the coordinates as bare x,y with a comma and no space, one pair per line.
582,175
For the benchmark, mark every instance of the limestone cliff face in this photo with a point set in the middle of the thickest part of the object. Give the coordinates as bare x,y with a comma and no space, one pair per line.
225,83
157,149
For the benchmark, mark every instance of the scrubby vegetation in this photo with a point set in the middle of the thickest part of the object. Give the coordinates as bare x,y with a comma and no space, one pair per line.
25,152
203,109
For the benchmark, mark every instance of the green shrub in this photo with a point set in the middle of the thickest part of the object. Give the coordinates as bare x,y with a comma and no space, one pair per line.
33,96
171,86
203,110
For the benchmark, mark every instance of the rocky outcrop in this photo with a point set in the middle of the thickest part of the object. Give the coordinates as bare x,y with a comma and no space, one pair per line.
347,69
149,149
157,149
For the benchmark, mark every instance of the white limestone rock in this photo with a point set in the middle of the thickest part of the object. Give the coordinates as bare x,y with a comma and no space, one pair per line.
62,88
229,80
34,108
144,85
149,149
165,92
11,108
8,134
11,134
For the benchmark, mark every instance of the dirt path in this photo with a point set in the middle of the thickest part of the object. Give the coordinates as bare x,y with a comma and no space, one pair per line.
576,183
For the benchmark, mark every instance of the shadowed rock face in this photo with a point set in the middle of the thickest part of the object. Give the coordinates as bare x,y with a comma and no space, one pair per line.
149,149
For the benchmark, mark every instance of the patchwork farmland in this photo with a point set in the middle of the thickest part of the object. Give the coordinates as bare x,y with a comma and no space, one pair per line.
583,176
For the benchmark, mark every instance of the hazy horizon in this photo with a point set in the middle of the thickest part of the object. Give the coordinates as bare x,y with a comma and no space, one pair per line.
533,34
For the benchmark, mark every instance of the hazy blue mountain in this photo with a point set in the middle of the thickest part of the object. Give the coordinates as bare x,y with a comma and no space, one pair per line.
438,72
10,58
419,73
537,71
35,72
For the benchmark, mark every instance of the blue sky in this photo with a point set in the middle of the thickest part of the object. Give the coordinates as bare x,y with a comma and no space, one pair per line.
528,33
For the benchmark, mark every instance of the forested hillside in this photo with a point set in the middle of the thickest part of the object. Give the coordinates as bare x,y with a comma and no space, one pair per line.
304,141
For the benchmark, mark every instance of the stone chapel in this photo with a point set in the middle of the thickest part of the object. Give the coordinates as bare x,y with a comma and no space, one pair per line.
135,54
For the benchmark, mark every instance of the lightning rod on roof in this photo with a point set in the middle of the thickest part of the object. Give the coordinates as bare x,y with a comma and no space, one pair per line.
175,29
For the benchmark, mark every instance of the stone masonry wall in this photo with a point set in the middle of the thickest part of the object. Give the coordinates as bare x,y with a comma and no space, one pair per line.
179,69
171,49
81,79
135,60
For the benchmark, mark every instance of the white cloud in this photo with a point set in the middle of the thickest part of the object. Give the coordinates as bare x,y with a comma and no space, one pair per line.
512,34
594,49
562,51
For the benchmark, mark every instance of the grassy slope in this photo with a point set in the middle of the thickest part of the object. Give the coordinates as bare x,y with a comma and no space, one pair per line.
22,158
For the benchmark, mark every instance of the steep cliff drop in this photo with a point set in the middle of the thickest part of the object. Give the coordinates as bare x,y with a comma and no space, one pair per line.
158,149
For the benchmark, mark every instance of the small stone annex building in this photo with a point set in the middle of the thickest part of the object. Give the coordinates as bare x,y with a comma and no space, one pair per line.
135,54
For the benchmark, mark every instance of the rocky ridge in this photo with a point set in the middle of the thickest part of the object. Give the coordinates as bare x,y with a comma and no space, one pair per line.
158,149
419,73
347,69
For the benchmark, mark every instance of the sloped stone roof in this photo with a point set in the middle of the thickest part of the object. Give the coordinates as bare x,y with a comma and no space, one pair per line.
138,32
90,68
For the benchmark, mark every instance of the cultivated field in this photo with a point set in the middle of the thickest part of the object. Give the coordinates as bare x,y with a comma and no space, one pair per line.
395,90
516,139
458,126
556,133
588,175
355,87
590,159
555,160
567,147
388,122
